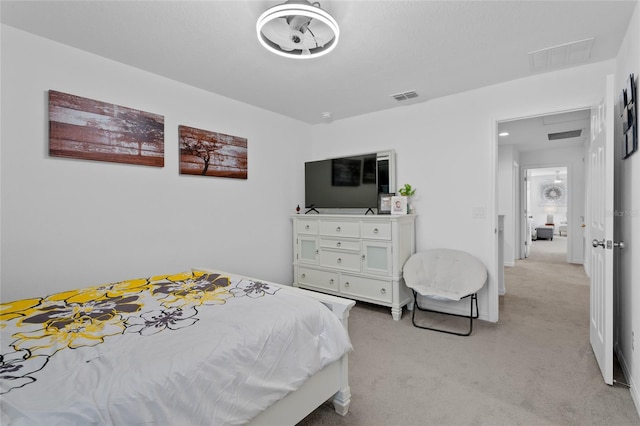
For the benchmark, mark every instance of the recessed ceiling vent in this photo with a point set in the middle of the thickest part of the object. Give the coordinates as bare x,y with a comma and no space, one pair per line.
568,54
565,135
405,95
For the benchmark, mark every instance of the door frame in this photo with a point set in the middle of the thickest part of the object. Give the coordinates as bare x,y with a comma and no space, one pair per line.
494,296
523,173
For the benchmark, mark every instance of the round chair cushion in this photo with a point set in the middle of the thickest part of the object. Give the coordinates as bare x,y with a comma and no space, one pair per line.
444,274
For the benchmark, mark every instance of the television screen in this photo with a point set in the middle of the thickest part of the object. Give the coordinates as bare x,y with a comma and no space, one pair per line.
346,171
348,182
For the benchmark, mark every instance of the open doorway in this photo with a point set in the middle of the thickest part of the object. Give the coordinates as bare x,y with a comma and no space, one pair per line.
546,208
555,141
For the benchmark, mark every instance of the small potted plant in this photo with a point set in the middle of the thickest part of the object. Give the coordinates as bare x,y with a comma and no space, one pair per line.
407,191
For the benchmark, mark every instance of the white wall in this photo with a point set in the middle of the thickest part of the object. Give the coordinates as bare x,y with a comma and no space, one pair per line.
447,149
539,209
627,223
70,223
508,201
573,159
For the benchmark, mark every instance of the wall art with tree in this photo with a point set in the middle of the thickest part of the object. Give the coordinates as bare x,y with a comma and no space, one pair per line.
207,153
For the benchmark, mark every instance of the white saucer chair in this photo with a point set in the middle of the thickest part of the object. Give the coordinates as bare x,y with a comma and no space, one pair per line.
445,274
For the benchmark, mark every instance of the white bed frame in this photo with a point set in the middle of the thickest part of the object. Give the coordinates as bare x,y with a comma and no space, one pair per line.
330,383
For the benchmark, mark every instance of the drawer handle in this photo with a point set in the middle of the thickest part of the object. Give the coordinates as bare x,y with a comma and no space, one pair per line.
338,229
346,284
339,260
375,230
317,251
306,227
304,276
363,257
383,291
331,281
338,244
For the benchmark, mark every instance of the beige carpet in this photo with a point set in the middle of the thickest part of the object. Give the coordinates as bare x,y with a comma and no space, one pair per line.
534,367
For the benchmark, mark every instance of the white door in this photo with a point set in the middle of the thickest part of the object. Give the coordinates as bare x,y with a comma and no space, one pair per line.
601,229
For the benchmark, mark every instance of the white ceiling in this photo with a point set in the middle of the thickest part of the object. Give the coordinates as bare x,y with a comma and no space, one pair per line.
436,48
532,133
559,172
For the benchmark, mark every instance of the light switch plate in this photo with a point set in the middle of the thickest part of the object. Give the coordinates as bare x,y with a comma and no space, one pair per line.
478,212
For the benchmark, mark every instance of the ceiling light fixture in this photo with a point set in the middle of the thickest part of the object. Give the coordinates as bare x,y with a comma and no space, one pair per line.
503,134
557,179
298,29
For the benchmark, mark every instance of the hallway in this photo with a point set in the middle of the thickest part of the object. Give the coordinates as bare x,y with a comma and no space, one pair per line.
549,258
550,250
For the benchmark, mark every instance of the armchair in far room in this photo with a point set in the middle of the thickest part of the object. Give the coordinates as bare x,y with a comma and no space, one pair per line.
545,232
562,228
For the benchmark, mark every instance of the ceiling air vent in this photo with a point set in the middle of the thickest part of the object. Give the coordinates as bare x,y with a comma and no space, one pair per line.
565,135
405,95
568,54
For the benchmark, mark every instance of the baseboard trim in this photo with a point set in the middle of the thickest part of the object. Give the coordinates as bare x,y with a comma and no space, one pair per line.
633,388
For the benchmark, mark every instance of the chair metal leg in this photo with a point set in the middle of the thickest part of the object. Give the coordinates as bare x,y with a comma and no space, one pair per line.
473,297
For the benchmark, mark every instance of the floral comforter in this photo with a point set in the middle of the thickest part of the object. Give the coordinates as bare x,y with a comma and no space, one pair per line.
189,348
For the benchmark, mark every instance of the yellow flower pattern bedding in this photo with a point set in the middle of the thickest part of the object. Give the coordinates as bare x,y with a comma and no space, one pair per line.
189,348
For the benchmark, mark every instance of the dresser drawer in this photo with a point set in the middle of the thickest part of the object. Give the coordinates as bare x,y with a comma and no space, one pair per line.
376,230
334,243
320,279
368,288
340,260
340,229
306,226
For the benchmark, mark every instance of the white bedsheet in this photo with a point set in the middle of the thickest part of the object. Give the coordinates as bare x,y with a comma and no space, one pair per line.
172,350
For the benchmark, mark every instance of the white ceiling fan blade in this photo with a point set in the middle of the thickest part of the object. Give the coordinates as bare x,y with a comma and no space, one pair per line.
311,35
277,31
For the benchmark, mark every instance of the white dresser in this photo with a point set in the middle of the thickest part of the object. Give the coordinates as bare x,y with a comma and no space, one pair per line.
355,256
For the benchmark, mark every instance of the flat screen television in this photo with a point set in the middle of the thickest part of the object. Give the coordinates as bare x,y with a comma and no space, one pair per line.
348,182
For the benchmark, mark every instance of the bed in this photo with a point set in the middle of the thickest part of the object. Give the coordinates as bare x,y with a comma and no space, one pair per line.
197,347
